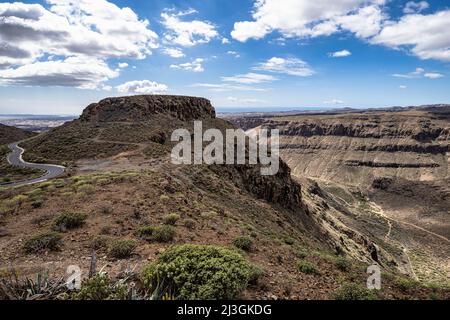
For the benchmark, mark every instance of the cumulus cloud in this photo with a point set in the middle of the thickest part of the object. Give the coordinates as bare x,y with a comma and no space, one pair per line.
91,31
250,78
142,87
80,72
425,36
195,66
174,52
123,65
304,18
187,33
340,54
403,87
290,66
415,7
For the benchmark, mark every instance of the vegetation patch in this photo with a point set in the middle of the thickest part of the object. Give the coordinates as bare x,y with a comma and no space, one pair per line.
121,249
69,220
100,287
342,264
157,234
171,219
353,291
100,242
45,241
307,267
243,243
195,272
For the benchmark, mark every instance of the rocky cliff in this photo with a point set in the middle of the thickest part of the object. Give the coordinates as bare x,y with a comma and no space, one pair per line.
356,148
144,108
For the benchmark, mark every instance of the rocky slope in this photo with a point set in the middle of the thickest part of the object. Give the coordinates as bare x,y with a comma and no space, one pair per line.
121,178
388,170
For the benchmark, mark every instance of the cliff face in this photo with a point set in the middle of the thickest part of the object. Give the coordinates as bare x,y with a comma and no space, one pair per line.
142,108
356,148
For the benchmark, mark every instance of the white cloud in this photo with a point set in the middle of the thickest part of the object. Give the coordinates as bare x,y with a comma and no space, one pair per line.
195,66
187,33
365,22
415,7
403,87
225,41
419,73
31,36
80,72
174,52
223,87
340,54
142,87
414,74
290,66
305,18
334,102
425,36
433,75
234,54
123,65
250,78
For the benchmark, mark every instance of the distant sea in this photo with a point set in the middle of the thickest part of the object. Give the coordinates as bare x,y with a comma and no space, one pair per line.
267,109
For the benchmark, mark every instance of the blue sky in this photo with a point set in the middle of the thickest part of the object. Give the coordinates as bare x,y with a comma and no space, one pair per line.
57,56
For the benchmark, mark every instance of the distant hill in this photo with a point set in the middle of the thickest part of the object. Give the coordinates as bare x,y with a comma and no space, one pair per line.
11,134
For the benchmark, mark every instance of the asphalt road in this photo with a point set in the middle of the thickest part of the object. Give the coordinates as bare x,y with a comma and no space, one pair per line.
15,159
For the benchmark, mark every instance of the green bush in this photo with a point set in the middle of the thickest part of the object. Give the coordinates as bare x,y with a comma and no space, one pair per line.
302,253
100,287
99,242
157,234
44,241
190,224
243,243
307,267
69,220
171,219
121,249
37,203
353,291
342,264
289,241
197,272
405,284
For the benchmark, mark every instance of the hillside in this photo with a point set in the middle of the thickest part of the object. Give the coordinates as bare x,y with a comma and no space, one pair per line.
11,134
388,168
132,205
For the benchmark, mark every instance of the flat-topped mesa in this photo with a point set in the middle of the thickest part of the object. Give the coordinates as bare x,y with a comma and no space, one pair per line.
144,107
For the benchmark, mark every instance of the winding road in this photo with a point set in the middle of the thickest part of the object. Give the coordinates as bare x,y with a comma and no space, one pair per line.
15,159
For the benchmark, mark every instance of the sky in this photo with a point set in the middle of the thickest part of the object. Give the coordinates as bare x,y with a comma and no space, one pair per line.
58,56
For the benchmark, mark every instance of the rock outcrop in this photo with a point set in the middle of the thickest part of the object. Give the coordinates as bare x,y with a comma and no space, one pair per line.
141,108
